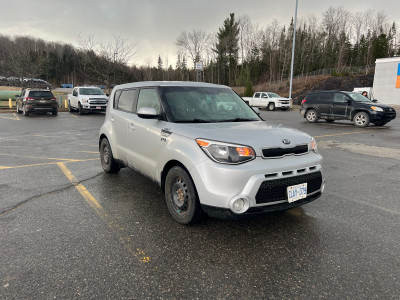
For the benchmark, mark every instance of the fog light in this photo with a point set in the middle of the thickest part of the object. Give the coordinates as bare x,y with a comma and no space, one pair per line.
238,204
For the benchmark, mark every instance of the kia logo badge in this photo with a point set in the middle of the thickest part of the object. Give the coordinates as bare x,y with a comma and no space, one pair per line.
286,141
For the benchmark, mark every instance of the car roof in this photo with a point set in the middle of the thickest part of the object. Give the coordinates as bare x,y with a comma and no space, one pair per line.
168,83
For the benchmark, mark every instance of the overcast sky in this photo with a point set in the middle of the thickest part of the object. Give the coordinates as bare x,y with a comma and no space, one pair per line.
154,25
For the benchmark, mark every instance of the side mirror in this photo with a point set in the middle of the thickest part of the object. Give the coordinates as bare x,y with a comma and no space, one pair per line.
348,101
256,110
148,113
375,101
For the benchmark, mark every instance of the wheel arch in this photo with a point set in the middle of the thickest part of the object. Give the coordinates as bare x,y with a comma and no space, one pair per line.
354,112
168,166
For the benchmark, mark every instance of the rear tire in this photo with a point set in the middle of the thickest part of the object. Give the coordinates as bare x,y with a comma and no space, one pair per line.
361,119
312,116
107,159
54,113
26,113
181,197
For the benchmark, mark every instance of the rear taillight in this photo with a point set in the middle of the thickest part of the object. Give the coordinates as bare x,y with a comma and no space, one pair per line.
27,99
53,98
303,101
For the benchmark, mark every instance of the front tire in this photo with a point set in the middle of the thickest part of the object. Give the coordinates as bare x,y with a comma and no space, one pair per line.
80,109
361,119
107,159
271,106
181,197
312,116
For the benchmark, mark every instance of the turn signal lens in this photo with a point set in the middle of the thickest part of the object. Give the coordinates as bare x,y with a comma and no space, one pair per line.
313,145
375,108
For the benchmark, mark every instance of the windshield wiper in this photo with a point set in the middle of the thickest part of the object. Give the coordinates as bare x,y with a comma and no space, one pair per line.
238,120
193,121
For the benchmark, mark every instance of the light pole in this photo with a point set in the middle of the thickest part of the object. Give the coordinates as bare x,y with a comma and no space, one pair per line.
294,40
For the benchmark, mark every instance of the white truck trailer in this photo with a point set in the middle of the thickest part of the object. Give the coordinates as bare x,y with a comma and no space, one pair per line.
386,86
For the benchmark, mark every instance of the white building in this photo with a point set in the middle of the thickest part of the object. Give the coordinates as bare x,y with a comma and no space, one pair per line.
387,80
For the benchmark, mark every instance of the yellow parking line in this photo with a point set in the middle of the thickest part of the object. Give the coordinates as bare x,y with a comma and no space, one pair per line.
344,133
42,164
126,240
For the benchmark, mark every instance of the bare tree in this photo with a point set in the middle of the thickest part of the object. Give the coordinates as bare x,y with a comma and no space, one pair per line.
193,43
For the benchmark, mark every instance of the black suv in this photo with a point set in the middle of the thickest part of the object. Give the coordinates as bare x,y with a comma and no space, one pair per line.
36,100
338,105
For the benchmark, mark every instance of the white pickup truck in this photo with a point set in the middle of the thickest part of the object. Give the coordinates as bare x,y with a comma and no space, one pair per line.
85,98
269,100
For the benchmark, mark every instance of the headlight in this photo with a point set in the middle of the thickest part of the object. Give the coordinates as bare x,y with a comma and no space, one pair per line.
375,108
313,145
226,153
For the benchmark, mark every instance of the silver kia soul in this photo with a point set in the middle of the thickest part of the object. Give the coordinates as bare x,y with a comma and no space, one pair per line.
208,150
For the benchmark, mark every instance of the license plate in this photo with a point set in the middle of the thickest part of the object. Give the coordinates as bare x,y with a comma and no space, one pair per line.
98,107
43,101
297,192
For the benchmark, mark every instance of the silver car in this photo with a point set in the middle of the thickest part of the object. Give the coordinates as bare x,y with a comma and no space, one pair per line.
208,150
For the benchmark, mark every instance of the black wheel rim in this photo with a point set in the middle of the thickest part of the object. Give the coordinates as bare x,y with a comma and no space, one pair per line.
179,196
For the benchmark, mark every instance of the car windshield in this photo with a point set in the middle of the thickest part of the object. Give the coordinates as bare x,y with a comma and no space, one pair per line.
273,95
358,97
206,105
91,91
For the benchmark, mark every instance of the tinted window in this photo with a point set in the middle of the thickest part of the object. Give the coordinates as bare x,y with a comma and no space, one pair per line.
41,94
126,100
325,97
149,98
257,95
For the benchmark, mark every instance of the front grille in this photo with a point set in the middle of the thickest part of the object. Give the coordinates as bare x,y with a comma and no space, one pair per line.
279,152
276,190
97,101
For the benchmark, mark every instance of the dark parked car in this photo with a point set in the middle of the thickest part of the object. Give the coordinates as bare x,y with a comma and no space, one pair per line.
338,105
36,100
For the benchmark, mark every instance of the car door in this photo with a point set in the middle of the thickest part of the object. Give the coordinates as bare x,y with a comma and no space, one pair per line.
120,117
143,155
256,99
339,106
324,102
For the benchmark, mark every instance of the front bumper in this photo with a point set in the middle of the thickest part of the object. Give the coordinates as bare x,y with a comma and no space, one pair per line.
283,104
382,116
262,183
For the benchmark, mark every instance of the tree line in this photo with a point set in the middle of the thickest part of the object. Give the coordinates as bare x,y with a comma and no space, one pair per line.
239,53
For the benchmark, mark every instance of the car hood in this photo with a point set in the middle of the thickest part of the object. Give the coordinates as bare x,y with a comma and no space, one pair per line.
369,104
258,134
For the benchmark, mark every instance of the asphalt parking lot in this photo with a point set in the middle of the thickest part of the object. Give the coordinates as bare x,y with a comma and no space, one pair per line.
69,231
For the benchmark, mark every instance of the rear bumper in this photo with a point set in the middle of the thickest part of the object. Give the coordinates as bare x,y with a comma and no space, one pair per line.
34,108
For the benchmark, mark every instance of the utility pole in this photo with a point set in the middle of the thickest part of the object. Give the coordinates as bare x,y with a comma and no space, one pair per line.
294,41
